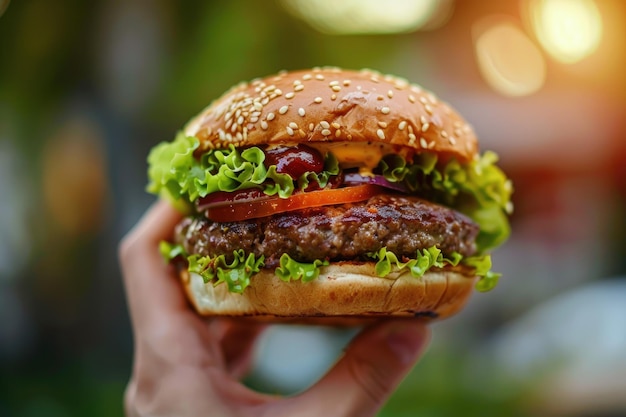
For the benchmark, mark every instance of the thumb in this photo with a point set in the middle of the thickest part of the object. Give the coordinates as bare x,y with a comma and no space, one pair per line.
372,367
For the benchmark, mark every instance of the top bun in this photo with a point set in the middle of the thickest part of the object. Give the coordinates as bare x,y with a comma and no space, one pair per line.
330,104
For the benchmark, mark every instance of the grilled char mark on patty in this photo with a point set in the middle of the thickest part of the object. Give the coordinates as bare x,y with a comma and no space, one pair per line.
342,232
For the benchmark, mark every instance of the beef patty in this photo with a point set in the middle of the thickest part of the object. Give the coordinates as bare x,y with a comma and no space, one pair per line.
343,232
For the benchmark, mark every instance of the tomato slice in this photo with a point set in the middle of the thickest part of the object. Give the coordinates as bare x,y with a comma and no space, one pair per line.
253,209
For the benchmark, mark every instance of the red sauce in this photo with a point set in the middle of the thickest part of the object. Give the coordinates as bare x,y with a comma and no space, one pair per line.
295,160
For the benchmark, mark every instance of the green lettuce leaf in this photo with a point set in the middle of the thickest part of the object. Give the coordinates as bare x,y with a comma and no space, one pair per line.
290,269
433,257
236,274
488,279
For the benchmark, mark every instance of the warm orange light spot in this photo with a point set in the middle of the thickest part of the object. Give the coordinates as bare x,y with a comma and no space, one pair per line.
569,30
74,179
508,61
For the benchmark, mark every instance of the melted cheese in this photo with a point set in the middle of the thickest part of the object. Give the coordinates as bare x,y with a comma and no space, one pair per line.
362,155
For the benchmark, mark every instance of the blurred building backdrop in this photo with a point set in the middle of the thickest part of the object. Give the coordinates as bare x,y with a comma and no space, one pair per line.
86,88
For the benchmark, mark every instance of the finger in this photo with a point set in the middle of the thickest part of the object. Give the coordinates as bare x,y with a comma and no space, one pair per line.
238,346
372,367
152,289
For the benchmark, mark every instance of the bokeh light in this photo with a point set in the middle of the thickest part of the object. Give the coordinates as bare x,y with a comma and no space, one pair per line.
369,16
508,60
569,30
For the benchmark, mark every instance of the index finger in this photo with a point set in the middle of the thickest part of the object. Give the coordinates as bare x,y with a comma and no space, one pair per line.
152,289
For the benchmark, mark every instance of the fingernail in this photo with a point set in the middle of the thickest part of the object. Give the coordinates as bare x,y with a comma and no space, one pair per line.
406,340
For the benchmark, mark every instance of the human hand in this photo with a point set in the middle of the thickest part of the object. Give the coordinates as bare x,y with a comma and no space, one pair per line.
186,365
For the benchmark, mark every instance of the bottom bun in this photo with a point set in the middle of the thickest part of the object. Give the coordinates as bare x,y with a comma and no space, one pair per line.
343,294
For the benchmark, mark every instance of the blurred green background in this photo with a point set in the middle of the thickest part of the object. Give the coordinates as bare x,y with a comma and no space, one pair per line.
86,88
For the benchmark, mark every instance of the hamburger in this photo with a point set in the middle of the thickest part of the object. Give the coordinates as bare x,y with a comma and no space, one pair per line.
331,196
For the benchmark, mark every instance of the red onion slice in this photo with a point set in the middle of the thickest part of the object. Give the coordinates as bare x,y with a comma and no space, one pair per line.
354,178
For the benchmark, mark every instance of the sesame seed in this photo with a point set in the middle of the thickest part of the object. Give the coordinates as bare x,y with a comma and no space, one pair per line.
258,106
233,128
307,77
431,145
326,132
390,94
333,83
411,98
290,94
289,131
423,100
301,133
318,100
382,124
425,126
444,134
337,133
333,97
229,122
283,109
298,87
270,116
311,126
385,110
423,119
296,82
380,98
301,111
402,125
278,92
254,119
264,125
221,134
293,125
380,134
239,136
428,109
423,143
325,124
319,77
412,137
346,82
452,140
336,88
335,125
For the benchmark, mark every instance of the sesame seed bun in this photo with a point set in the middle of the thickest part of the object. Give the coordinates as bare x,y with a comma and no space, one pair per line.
345,293
329,104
